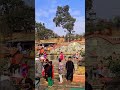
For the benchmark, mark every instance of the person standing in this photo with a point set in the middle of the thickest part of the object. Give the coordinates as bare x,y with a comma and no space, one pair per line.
19,47
50,74
41,52
46,66
61,57
77,55
60,71
70,69
38,73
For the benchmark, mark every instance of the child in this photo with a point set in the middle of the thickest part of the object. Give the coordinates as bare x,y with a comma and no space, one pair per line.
60,70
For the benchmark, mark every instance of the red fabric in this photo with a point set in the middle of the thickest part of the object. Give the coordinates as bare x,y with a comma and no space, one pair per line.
24,72
61,56
41,51
45,55
43,72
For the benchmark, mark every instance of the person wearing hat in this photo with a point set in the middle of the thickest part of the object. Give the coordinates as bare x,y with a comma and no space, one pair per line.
70,69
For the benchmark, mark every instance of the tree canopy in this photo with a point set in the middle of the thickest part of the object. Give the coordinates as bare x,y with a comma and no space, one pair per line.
44,33
16,16
64,19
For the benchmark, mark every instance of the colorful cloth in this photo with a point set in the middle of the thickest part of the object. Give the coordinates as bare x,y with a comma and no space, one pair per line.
60,68
24,70
52,71
43,71
45,55
61,56
50,81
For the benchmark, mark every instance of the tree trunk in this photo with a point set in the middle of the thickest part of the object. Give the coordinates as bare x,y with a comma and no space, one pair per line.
70,32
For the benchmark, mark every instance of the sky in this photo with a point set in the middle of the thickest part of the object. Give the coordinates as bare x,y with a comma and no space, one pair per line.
45,11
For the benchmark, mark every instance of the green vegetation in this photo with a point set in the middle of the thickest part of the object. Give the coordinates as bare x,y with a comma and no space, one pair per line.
43,33
64,19
96,24
15,16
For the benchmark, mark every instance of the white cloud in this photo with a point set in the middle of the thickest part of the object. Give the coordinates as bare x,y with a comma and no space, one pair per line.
74,13
45,12
79,27
46,16
59,30
41,13
52,11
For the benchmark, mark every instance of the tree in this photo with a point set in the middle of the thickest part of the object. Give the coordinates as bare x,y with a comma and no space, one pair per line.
64,19
42,32
17,15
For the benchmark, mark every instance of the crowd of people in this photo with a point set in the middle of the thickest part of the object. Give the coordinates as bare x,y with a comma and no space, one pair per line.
18,69
45,68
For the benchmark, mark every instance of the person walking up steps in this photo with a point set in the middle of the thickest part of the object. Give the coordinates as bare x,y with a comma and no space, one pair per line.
60,71
41,52
70,69
38,73
61,57
50,74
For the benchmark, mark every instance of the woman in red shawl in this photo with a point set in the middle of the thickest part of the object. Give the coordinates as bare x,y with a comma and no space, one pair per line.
52,72
61,56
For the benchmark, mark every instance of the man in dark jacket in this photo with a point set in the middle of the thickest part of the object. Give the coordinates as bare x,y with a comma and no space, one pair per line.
69,69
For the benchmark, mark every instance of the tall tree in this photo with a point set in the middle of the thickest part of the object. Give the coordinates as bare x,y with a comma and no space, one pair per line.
64,19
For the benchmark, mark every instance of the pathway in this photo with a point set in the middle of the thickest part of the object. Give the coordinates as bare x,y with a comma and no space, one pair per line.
64,86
